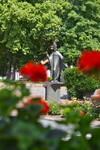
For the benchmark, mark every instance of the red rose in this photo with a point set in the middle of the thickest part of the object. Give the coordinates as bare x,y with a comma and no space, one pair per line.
89,62
26,70
39,73
45,107
35,72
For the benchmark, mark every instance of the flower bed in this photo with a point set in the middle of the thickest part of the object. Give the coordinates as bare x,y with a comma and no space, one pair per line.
23,131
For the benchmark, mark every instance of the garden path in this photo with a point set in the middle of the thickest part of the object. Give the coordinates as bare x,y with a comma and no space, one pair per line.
47,120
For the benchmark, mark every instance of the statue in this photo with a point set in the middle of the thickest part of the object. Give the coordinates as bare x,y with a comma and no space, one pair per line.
56,63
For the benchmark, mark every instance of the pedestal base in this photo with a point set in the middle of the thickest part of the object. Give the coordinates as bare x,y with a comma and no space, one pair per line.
52,91
96,96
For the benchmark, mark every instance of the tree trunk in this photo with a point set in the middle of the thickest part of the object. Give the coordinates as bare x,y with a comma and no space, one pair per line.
13,67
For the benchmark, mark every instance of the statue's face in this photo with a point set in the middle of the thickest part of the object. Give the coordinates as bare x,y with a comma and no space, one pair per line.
51,47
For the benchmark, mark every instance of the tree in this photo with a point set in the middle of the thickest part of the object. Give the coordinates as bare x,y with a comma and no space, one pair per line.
81,29
27,29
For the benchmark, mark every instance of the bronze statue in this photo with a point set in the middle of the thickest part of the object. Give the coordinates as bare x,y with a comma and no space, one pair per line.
56,63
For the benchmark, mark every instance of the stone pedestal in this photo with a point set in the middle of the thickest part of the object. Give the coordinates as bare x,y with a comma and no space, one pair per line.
52,91
96,96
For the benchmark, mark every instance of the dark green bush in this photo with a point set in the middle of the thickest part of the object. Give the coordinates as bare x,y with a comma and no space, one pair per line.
78,84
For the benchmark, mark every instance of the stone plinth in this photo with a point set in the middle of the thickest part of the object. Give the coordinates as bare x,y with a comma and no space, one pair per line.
96,96
52,91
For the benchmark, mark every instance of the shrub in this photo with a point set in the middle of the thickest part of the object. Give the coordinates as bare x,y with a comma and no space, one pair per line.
83,108
96,110
77,83
55,108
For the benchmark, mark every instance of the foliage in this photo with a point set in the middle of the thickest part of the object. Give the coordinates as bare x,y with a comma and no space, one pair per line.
80,29
84,108
96,110
78,84
55,108
27,28
82,135
23,131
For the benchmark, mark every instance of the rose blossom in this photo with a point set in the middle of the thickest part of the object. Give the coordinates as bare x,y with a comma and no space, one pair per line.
35,72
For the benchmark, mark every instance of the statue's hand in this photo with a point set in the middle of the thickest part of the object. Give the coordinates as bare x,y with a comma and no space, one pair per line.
42,62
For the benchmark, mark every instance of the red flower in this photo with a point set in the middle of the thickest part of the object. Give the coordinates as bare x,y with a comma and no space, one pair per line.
35,72
39,73
30,102
45,107
82,112
89,62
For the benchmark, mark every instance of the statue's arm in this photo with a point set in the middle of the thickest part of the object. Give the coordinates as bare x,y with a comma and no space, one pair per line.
43,62
47,55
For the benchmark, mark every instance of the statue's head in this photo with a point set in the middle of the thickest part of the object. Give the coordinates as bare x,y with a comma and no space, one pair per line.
53,46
